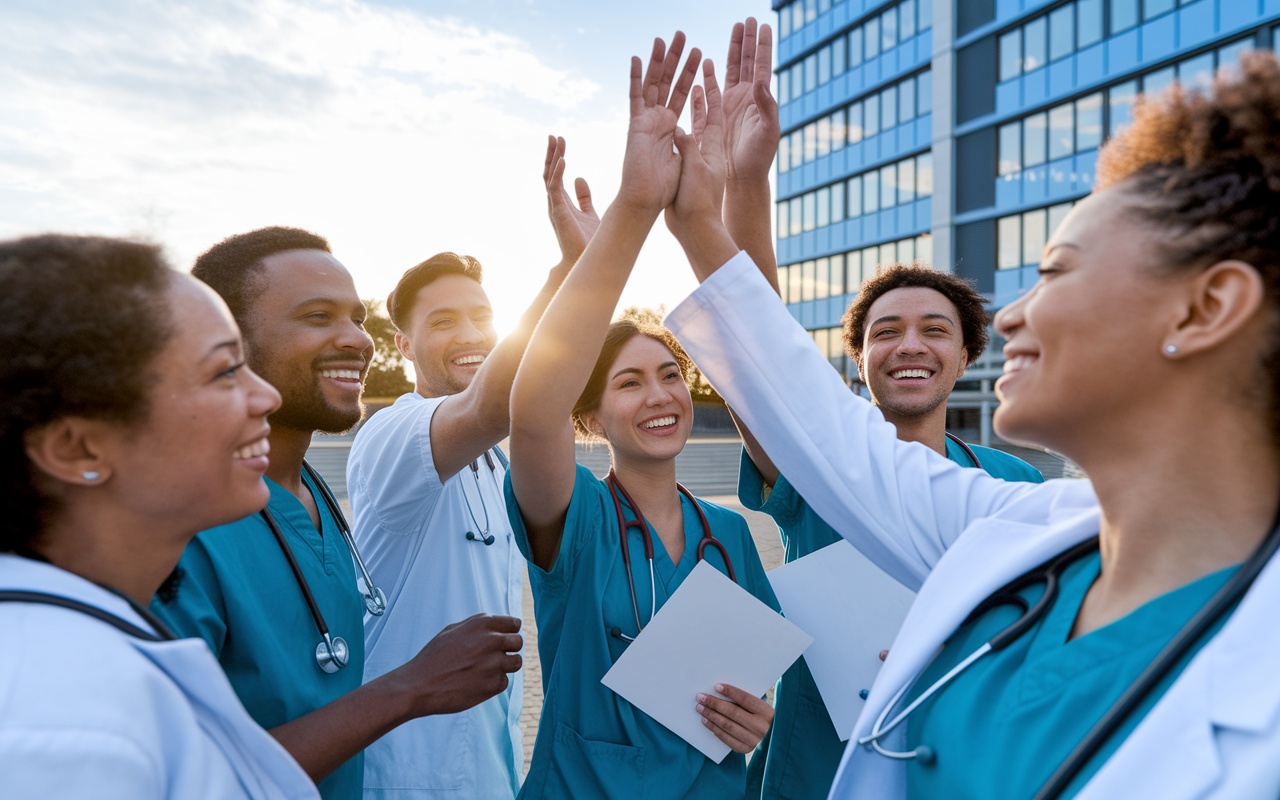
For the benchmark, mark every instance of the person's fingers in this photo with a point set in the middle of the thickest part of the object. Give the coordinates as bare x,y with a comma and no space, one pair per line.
637,87
512,662
734,61
670,65
504,624
546,166
699,114
727,730
748,50
685,83
584,195
555,186
744,700
511,642
653,72
715,109
763,56
764,100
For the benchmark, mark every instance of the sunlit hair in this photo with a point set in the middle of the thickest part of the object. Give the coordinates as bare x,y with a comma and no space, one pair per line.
1203,169
619,333
400,303
968,303
82,320
233,266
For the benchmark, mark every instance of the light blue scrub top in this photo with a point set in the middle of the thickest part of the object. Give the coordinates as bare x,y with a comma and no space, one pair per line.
1007,722
798,758
592,743
239,595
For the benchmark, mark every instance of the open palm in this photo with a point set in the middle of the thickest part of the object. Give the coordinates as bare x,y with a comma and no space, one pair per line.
751,127
651,166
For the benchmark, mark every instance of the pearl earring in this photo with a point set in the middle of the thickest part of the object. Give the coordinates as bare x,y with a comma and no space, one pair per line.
89,476
1171,349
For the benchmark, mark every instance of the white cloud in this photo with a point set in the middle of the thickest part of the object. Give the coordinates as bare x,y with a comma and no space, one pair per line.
392,133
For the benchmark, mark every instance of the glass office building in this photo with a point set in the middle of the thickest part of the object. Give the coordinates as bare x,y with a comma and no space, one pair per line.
959,132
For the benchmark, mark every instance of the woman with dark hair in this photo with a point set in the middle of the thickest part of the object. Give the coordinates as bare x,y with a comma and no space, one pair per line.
1106,638
593,586
128,422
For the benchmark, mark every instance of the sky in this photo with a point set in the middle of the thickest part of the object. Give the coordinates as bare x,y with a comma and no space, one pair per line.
394,128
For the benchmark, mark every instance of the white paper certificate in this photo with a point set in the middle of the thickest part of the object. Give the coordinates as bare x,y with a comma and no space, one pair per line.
710,631
854,610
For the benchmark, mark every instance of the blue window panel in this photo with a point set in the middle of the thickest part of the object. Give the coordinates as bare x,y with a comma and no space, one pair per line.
906,137
1008,286
1035,87
824,169
1008,96
808,244
1030,275
1086,164
1122,52
824,25
836,232
839,15
1195,22
1061,76
924,213
889,222
794,310
906,217
1238,13
1009,190
856,80
853,232
1089,65
1035,185
810,173
1007,8
824,95
807,315
1271,7
924,44
810,104
823,239
784,250
870,71
853,158
871,148
1061,178
870,227
784,184
924,130
1157,38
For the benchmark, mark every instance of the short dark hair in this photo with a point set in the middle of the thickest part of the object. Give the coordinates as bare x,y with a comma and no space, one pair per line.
400,303
231,267
969,304
82,319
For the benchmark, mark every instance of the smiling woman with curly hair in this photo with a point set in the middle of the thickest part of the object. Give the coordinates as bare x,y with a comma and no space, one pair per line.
1144,661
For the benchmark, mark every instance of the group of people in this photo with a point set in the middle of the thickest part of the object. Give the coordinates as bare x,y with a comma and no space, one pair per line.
188,613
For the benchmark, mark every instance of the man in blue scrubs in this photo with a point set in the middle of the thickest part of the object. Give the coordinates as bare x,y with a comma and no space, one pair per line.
912,330
303,329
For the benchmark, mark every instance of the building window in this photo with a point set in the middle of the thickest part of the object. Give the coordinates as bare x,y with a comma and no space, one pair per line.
1033,45
1124,15
1020,238
1010,157
784,154
1120,104
1062,32
1055,35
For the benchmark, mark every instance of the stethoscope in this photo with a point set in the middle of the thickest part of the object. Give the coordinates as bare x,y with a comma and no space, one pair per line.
968,451
1050,574
478,534
332,653
615,486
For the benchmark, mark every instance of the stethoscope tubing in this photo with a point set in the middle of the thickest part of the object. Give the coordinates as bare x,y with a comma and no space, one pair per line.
375,601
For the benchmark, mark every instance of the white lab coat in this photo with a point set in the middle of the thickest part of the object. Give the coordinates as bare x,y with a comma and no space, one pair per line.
958,535
87,710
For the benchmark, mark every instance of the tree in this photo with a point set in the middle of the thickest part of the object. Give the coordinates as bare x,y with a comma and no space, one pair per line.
387,368
699,387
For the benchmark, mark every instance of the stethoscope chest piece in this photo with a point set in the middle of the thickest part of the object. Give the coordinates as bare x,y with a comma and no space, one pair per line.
332,653
375,600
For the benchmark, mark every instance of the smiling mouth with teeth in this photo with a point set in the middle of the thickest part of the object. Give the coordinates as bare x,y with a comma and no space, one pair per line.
341,374
258,448
660,422
911,373
468,360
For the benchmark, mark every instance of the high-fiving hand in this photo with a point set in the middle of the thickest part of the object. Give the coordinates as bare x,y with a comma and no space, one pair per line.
574,226
651,167
750,113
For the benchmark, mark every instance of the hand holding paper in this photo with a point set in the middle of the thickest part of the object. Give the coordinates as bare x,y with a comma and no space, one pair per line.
711,631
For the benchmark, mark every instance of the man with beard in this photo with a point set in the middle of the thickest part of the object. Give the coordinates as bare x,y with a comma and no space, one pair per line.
425,478
263,592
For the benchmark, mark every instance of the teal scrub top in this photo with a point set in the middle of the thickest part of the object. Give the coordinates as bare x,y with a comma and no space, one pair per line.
591,743
239,595
1003,726
799,757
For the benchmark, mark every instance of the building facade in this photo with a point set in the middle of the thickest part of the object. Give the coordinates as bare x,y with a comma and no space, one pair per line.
959,133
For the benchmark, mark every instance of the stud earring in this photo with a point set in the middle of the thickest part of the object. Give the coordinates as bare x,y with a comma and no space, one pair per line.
89,476
1171,349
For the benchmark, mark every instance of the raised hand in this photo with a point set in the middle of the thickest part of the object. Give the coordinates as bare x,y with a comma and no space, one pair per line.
740,722
702,168
574,227
651,167
751,127
465,664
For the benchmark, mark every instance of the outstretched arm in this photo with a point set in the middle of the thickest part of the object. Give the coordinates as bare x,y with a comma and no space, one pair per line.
468,423
566,344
